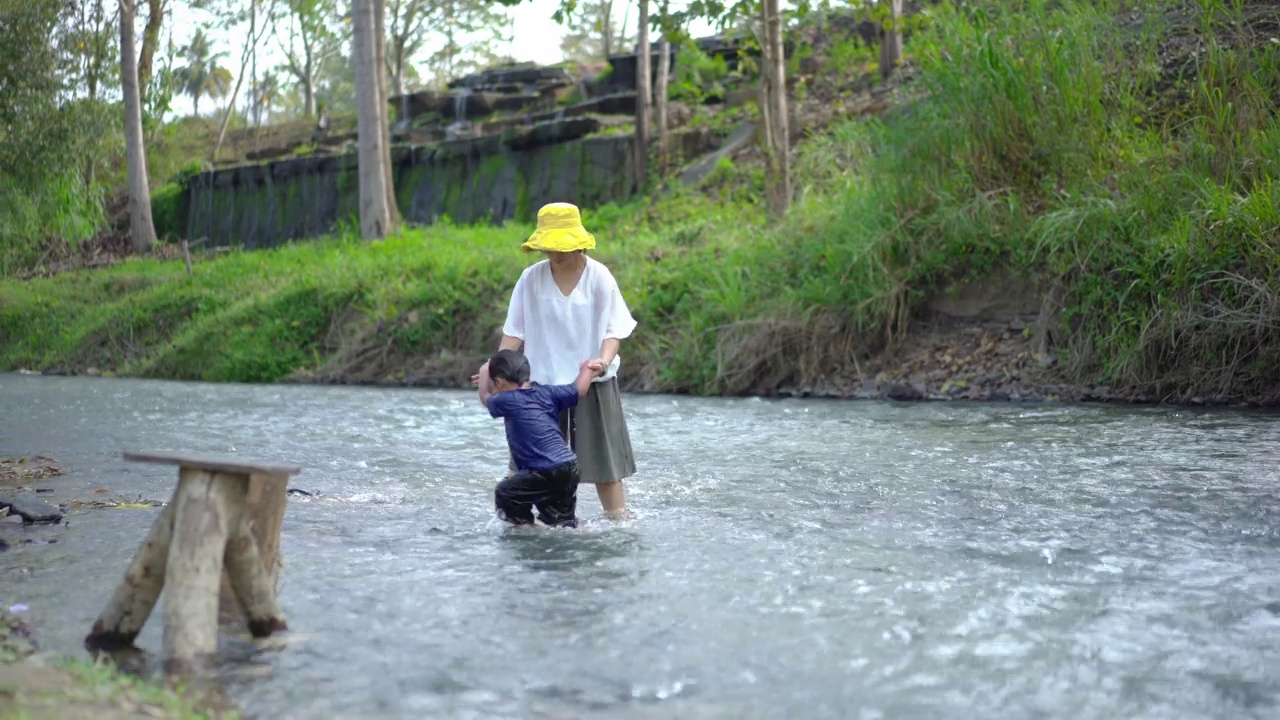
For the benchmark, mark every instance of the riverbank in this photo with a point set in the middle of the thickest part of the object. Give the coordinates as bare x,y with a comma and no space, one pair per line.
34,685
1076,203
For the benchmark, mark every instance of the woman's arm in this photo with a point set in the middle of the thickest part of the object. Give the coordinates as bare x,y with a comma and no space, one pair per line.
608,351
510,343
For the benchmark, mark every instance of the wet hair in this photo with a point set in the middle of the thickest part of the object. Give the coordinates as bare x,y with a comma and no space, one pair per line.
509,365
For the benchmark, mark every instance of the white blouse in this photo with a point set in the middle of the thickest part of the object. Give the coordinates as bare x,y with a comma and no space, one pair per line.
560,331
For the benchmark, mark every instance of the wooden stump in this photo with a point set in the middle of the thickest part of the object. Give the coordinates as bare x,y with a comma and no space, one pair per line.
216,543
205,508
264,515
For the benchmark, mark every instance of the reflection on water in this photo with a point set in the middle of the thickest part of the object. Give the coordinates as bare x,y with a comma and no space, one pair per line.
786,559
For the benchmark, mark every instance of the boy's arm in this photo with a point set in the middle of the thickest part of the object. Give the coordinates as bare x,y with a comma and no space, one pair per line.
586,373
485,383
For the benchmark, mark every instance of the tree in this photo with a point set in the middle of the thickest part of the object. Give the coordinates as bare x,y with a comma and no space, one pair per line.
310,44
33,133
263,96
142,231
891,39
773,85
405,37
257,22
150,41
90,45
662,90
595,34
202,75
375,215
459,24
773,111
384,114
644,53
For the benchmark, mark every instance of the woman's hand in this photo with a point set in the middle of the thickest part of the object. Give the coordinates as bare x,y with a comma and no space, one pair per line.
597,365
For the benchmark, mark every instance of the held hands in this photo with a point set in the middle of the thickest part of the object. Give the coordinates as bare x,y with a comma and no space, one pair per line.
597,365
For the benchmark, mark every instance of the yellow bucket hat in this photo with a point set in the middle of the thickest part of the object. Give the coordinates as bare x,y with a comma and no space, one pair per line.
559,230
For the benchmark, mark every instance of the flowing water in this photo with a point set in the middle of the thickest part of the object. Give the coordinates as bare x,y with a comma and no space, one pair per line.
787,559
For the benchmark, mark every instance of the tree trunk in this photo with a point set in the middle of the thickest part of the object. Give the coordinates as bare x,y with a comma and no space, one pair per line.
891,41
384,111
150,41
309,94
774,112
375,216
235,93
644,97
660,96
607,22
142,231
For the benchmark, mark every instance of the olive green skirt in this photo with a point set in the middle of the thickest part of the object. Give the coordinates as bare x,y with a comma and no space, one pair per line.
597,433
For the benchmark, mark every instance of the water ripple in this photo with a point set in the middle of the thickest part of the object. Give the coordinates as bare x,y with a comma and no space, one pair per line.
786,559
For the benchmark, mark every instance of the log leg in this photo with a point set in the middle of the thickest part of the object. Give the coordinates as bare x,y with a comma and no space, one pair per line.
119,624
264,513
206,508
251,583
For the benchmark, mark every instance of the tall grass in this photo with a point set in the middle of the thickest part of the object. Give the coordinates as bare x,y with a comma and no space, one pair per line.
1039,147
64,206
1075,143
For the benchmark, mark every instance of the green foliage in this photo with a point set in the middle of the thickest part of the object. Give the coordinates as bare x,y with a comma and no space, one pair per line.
698,76
167,210
1047,141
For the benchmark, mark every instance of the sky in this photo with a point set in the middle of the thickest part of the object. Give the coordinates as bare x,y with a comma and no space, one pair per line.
536,38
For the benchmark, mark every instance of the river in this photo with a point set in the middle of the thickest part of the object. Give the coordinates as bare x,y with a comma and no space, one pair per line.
786,559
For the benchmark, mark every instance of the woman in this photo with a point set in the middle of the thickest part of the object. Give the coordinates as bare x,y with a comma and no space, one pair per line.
564,310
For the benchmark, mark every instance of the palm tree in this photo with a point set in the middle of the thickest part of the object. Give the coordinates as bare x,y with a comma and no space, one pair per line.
264,96
202,75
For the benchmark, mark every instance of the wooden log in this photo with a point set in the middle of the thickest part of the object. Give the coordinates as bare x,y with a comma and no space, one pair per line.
253,587
134,599
264,514
207,508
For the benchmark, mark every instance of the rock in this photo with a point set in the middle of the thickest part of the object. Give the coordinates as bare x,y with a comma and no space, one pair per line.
614,104
551,133
31,511
742,136
741,96
514,76
906,392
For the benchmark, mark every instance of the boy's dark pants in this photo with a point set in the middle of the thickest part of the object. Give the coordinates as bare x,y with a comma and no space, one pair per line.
554,492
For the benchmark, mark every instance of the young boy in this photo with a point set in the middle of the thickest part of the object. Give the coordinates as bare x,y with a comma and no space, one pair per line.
546,474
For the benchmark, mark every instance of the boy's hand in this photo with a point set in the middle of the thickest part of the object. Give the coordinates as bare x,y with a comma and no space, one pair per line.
585,373
597,365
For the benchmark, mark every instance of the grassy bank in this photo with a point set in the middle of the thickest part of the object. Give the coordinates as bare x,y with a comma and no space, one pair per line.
1121,155
36,686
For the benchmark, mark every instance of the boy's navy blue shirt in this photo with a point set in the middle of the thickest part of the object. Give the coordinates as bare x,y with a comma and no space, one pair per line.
532,417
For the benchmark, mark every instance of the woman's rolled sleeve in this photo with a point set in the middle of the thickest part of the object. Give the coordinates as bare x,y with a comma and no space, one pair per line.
620,322
514,326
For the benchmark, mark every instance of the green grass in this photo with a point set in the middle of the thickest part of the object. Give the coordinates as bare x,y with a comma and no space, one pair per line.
82,688
1139,192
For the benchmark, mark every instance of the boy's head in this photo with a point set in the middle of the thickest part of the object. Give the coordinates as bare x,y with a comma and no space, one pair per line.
508,369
